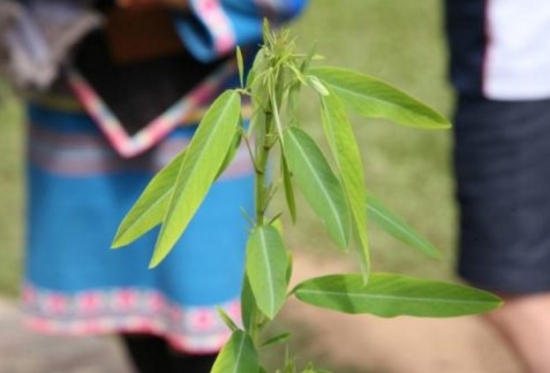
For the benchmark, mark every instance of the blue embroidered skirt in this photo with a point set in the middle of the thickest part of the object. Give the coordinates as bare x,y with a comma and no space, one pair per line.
79,189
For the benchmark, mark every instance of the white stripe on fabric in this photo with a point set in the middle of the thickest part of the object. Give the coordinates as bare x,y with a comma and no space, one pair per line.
517,65
218,24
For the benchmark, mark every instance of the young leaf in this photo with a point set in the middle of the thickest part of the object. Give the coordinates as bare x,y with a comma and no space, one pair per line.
318,184
281,338
257,66
151,206
226,319
314,83
248,305
266,266
240,66
397,228
345,150
237,356
204,157
374,98
232,151
304,65
289,189
390,295
289,267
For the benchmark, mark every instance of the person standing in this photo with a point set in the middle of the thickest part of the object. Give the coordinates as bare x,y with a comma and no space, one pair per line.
113,92
500,68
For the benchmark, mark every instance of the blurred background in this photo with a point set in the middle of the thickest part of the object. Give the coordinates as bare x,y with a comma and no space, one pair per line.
403,43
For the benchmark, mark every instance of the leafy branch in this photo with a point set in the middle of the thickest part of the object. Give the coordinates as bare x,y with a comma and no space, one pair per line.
337,196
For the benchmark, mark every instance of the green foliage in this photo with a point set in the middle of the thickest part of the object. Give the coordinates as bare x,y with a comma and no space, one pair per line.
345,150
238,355
373,98
266,266
396,227
390,295
318,183
151,206
338,196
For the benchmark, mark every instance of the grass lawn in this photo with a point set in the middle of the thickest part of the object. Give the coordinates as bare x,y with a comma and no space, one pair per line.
398,40
11,193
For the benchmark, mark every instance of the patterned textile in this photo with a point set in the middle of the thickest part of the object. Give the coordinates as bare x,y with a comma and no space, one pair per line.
79,190
37,37
129,146
197,329
84,174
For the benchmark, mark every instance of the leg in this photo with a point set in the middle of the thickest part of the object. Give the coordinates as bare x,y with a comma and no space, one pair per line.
501,152
149,354
192,363
524,322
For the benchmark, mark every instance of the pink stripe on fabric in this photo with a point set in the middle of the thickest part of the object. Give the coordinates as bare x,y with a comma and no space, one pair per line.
130,146
218,24
129,310
85,155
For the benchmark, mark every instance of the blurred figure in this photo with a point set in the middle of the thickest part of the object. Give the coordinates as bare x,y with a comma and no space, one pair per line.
500,67
114,91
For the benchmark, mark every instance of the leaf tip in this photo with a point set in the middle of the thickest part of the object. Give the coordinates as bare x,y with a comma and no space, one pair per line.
116,245
153,263
158,256
119,241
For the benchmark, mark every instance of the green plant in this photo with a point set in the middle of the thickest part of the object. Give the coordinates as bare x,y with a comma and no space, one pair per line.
336,194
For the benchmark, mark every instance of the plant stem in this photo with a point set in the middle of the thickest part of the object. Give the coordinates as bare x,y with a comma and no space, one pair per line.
262,156
261,186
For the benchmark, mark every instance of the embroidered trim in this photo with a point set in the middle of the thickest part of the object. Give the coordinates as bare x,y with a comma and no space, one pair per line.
88,154
129,146
133,310
218,24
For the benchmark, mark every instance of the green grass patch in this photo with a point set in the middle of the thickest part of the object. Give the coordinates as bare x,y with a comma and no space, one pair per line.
11,192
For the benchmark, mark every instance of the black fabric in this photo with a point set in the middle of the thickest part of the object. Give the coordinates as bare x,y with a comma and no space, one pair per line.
502,160
193,363
151,354
465,24
138,92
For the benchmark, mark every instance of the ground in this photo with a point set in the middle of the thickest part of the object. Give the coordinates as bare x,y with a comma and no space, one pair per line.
343,343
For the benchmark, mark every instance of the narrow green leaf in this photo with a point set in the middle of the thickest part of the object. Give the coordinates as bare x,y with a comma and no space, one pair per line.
256,82
304,65
257,66
289,189
204,157
266,266
344,147
248,305
240,65
319,87
318,184
232,151
390,295
237,356
290,267
374,98
226,319
151,206
397,228
281,338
